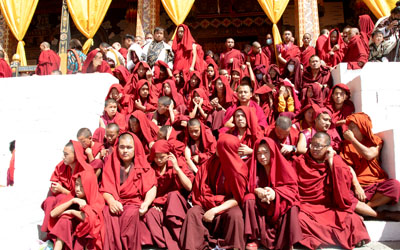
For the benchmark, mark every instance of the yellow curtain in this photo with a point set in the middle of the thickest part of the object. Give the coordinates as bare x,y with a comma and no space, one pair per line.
18,15
88,16
380,8
177,10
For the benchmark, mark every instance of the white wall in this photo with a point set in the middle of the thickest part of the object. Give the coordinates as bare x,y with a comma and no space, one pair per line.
42,113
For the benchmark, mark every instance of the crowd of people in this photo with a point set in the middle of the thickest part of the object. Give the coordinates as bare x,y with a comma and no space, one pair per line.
243,150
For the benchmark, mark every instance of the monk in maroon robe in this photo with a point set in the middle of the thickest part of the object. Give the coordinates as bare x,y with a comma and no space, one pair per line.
256,57
293,73
94,63
122,74
169,89
287,50
226,58
145,99
199,106
274,76
142,71
124,101
265,98
306,51
333,50
321,41
174,180
326,215
129,188
5,69
316,73
271,205
11,168
77,221
356,54
111,115
305,118
194,81
209,76
339,103
48,60
218,191
61,180
269,49
143,128
312,94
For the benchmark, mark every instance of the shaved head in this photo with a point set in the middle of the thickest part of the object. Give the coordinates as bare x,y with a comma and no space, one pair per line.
283,122
256,44
126,137
70,145
193,122
109,101
113,126
323,135
85,132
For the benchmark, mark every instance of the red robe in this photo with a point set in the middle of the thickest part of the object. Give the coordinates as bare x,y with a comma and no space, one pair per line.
323,77
296,78
151,100
269,51
278,78
125,103
226,56
355,52
148,130
258,59
268,109
80,234
206,106
347,108
288,51
123,52
179,101
306,53
118,119
122,74
10,171
130,87
320,44
326,215
317,95
366,28
88,66
262,120
48,62
187,90
333,60
291,139
5,69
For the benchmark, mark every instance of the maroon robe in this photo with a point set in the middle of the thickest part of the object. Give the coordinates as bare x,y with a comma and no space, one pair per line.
296,78
148,130
291,139
206,106
269,51
151,100
337,57
226,56
347,108
122,74
306,53
258,59
278,78
317,95
5,69
125,103
11,169
323,77
118,119
355,52
266,106
262,120
88,66
288,51
320,44
130,87
48,62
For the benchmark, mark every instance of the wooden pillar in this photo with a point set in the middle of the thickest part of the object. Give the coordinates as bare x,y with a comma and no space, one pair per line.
5,36
64,38
148,16
307,21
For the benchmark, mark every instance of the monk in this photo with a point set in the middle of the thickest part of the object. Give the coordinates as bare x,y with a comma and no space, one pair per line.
124,101
111,115
287,50
218,191
5,69
322,123
48,60
271,205
165,114
285,136
61,180
316,73
321,41
294,73
193,82
129,188
188,54
306,50
361,151
356,54
199,106
209,76
77,221
226,58
273,76
143,128
122,74
286,99
333,50
11,168
269,49
256,57
174,181
133,56
109,140
264,97
169,89
305,118
200,144
145,99
312,94
326,215
92,149
94,63
142,71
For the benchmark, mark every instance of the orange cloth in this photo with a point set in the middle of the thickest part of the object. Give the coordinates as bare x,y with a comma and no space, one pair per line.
368,172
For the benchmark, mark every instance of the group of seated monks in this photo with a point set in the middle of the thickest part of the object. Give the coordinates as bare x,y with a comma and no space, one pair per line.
240,154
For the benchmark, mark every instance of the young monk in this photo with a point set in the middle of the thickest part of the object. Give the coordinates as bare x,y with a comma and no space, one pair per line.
143,128
142,71
61,180
94,63
122,74
218,190
111,115
294,73
361,151
332,53
92,149
271,206
78,219
194,81
199,106
286,100
200,144
306,50
326,214
110,136
144,99
169,89
164,115
165,218
312,94
124,101
226,58
305,118
210,75
129,188
48,60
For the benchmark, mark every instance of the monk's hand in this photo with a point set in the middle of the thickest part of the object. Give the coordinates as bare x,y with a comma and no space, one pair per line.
151,144
80,202
244,150
88,151
143,208
270,196
201,102
359,192
348,135
173,160
138,104
119,97
56,187
209,215
191,69
116,207
68,212
103,153
282,90
286,149
330,153
261,193
194,102
195,159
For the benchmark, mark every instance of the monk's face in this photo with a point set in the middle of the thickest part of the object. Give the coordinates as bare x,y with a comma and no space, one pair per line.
272,73
111,109
323,122
308,115
111,135
345,35
162,109
263,155
318,148
167,89
210,72
334,38
69,156
356,131
339,95
177,78
310,92
219,86
97,60
194,132
114,94
287,36
180,32
240,119
126,149
306,39
282,134
86,142
230,43
141,71
315,62
235,76
144,91
160,159
194,81
244,93
196,97
79,192
134,125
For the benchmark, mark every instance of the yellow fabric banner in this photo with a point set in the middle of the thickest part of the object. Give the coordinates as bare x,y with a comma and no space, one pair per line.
18,15
380,8
88,16
177,10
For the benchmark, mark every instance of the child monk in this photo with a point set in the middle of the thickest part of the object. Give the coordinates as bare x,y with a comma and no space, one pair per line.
200,144
145,98
92,149
61,180
199,106
143,128
129,188
164,115
78,219
165,218
124,101
110,138
194,81
111,115
142,71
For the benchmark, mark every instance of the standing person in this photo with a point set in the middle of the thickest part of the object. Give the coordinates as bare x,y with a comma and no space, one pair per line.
226,58
5,69
287,50
75,57
269,49
356,54
306,50
157,49
11,169
333,50
388,26
321,41
48,60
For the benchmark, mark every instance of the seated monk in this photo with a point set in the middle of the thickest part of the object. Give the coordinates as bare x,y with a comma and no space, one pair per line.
286,100
194,82
356,54
165,113
273,76
256,56
129,188
285,136
244,95
210,75
122,74
200,106
145,99
307,51
322,123
287,50
305,118
143,128
109,140
111,115
161,73
218,191
372,186
61,180
142,71
326,215
168,133
174,181
271,205
124,101
294,73
48,60
312,94
92,149
333,50
265,99
316,73
200,144
77,221
94,63
169,89
5,69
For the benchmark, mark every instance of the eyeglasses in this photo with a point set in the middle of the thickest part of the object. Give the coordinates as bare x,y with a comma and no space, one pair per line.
317,146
